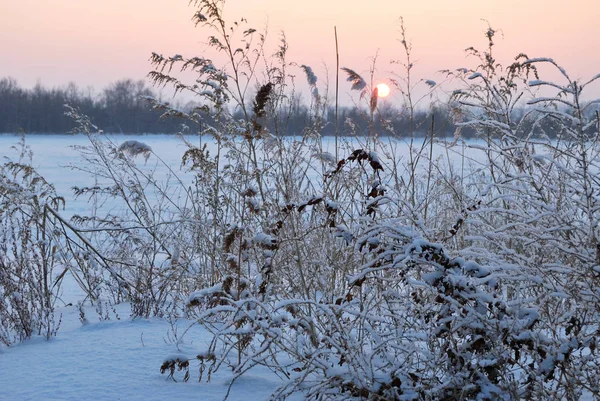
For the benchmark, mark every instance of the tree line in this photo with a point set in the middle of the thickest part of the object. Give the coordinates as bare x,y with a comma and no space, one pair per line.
123,107
120,108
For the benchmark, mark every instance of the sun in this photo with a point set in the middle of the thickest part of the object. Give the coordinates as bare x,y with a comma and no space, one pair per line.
382,90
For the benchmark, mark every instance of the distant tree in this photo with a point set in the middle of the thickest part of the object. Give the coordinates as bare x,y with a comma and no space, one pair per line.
126,108
122,107
12,101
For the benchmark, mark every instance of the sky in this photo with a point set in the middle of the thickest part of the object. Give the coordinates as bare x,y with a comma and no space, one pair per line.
94,43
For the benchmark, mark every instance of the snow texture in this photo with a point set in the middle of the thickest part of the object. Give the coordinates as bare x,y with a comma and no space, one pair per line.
116,360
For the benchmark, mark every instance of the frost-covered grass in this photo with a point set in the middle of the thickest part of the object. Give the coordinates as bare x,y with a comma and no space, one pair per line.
404,269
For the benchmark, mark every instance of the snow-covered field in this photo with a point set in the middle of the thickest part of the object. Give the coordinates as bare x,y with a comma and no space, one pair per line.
116,360
53,155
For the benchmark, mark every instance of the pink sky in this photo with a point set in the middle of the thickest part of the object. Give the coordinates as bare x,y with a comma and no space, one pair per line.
98,42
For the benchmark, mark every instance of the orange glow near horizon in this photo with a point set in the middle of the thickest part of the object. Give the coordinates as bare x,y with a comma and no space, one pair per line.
95,43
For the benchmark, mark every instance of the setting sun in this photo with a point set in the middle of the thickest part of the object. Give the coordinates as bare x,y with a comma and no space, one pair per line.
383,90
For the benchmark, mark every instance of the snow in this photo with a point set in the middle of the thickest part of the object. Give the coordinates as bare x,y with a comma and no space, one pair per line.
213,84
118,360
264,239
538,60
326,157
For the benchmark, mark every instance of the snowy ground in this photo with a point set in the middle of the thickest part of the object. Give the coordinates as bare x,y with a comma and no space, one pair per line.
116,360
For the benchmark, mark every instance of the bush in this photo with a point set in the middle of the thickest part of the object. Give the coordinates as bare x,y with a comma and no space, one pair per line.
29,252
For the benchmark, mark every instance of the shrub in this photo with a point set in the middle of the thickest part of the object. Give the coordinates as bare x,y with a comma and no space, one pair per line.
30,252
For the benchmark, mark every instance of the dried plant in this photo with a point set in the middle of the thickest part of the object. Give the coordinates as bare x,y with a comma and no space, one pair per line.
30,251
